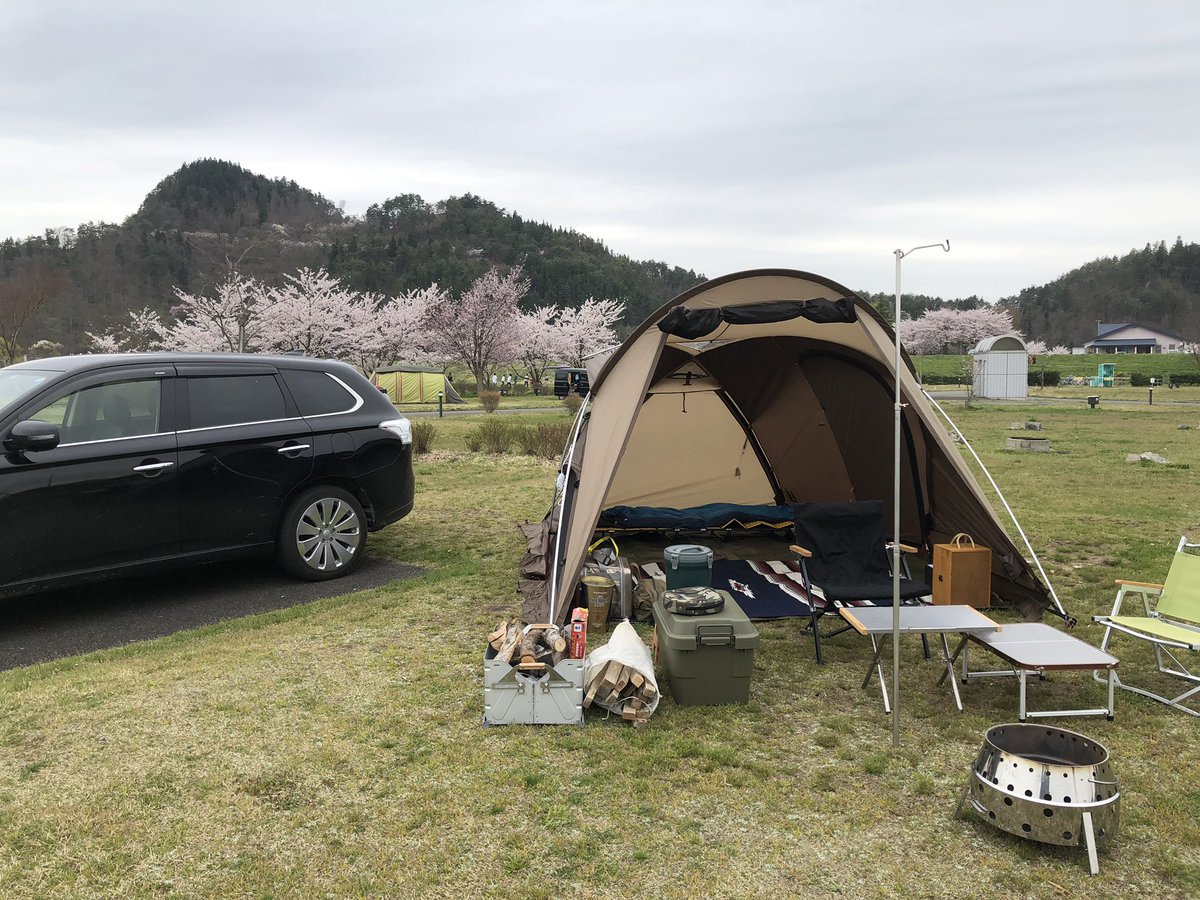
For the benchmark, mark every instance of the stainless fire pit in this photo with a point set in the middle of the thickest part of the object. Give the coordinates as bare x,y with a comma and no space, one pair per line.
1046,784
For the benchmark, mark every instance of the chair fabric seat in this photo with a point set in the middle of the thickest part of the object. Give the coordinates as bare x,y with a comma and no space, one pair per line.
1156,627
877,593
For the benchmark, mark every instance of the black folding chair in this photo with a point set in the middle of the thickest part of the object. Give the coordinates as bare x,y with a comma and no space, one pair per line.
844,551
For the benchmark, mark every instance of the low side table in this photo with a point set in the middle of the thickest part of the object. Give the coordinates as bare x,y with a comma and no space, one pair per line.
1035,647
875,622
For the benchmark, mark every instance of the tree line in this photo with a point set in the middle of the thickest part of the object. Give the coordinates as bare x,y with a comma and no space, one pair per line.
483,327
212,218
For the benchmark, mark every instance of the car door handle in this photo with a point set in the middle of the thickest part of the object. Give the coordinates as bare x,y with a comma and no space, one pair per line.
292,448
152,468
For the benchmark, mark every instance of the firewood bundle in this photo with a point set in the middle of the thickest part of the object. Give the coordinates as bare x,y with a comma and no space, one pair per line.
622,689
531,648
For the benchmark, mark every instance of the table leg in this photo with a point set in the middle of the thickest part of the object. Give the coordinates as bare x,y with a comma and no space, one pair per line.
950,670
1021,707
878,645
960,649
1111,680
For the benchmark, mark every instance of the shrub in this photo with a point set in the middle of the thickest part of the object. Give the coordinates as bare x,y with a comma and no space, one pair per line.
1051,378
572,402
490,400
493,436
544,441
423,434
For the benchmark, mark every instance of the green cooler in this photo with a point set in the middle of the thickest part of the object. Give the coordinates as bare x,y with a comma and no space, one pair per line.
687,565
708,659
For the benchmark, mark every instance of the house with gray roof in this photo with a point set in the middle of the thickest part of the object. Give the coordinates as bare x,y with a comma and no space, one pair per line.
1134,337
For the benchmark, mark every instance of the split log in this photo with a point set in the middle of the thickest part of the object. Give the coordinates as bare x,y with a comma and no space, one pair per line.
529,647
496,638
512,639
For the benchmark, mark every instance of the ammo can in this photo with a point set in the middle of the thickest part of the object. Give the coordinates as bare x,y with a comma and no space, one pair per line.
708,660
688,565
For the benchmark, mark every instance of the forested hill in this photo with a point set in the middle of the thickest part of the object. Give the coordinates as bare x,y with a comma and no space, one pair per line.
211,217
1155,286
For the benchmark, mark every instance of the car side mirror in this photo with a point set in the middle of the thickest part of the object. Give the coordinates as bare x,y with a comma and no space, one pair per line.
32,435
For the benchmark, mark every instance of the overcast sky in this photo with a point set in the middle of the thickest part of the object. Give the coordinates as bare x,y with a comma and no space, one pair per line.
714,136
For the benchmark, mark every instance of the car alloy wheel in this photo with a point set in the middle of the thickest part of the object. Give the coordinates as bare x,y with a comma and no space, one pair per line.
328,534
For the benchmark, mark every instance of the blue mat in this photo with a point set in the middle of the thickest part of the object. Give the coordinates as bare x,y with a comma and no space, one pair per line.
761,592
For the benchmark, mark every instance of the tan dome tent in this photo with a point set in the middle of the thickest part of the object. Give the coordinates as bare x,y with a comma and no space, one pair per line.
763,387
414,384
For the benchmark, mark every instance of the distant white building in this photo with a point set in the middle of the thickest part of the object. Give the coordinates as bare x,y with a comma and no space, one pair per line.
1133,337
1001,367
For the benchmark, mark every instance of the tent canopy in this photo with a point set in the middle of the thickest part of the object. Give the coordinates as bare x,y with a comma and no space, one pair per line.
414,384
771,386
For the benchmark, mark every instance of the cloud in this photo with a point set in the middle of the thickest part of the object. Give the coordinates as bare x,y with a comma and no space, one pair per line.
717,137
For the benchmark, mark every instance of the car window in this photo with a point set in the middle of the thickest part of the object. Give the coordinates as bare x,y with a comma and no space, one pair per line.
18,383
106,411
316,393
234,400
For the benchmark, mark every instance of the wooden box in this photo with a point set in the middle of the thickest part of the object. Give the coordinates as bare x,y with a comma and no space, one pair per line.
962,573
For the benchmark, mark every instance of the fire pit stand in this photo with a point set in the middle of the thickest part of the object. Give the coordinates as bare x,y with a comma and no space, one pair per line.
1045,784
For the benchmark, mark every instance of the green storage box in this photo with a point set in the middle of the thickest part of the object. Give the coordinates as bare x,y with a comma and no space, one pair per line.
708,660
687,565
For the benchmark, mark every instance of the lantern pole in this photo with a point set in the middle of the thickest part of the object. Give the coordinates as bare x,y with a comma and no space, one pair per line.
900,254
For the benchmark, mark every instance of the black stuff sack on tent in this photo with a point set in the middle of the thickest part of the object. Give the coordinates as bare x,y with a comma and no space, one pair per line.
694,323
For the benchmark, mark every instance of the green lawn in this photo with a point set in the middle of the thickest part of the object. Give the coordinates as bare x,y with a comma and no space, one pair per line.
335,749
1154,364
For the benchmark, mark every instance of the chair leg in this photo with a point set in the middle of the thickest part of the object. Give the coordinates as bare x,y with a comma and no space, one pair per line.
816,630
814,616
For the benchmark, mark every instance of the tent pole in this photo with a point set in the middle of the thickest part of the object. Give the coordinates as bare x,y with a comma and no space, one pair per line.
900,254
1004,502
565,471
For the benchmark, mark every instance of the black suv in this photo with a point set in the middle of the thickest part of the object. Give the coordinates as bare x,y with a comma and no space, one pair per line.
116,462
570,381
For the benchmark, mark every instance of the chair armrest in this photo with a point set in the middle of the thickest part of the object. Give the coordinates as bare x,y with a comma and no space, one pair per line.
1140,584
907,548
800,551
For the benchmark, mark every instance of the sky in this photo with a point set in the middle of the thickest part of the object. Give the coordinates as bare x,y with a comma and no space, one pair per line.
714,136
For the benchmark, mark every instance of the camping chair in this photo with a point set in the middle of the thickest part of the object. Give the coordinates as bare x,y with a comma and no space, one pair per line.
1173,623
844,552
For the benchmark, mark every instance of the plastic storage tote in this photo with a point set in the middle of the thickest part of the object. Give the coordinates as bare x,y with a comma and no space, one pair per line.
708,660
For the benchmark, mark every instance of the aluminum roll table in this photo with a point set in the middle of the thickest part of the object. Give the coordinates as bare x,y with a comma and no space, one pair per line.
1034,647
875,622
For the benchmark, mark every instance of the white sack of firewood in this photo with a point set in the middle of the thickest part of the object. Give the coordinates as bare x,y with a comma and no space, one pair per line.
620,676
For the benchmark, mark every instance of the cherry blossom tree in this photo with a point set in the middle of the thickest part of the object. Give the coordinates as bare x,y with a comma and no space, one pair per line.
229,321
540,344
480,329
951,330
310,311
395,330
590,327
143,330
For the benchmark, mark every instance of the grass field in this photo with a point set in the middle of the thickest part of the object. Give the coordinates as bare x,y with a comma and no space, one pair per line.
335,749
1155,364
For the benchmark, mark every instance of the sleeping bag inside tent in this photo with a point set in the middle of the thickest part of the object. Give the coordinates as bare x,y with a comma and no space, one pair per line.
772,387
414,384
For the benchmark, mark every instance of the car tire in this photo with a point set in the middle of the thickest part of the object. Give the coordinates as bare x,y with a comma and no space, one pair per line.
322,534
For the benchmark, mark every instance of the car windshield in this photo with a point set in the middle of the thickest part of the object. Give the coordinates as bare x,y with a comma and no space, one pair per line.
15,384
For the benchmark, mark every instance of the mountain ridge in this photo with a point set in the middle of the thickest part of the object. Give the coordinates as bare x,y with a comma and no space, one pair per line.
211,217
